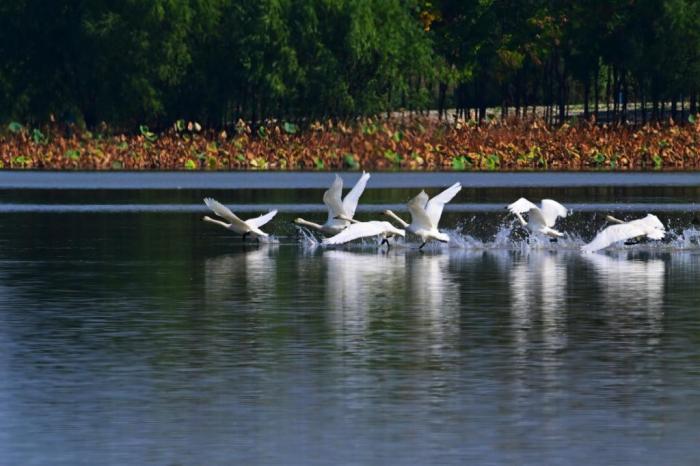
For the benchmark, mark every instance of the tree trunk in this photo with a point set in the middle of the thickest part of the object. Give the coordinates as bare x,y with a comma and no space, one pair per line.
586,92
674,108
442,93
623,95
596,90
608,89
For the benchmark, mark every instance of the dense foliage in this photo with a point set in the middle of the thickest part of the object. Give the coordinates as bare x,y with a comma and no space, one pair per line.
215,61
371,144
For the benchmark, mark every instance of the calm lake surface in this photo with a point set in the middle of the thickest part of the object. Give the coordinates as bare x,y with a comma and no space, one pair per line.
131,332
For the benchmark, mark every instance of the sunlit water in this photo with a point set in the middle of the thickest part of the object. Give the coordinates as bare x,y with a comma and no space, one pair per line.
133,333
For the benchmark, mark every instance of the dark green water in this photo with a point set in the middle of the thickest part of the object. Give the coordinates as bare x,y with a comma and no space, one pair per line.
133,333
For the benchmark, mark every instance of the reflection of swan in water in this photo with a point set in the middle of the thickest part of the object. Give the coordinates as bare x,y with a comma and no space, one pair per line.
434,295
538,285
358,283
539,282
631,289
253,267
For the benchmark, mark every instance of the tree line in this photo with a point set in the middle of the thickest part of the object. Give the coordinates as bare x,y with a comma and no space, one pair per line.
215,61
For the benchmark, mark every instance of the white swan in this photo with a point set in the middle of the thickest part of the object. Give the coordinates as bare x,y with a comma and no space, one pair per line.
426,213
242,227
649,226
539,219
364,230
337,207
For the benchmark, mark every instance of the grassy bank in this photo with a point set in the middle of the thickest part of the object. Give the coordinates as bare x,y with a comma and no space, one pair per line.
368,144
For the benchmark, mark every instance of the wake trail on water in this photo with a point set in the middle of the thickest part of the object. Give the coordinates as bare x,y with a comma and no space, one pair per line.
511,237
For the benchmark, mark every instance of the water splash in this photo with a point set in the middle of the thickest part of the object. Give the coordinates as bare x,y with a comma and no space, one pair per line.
508,235
307,238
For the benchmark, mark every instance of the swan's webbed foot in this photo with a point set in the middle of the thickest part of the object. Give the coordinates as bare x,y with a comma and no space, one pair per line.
553,240
244,235
631,242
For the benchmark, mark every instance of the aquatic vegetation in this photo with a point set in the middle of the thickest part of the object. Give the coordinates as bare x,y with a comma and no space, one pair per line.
369,144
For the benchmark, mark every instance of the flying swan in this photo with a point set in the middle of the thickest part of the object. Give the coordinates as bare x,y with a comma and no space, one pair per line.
338,210
649,226
242,227
358,230
539,219
426,213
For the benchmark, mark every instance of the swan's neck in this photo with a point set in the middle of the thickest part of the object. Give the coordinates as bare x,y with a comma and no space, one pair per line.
612,219
306,223
216,222
396,217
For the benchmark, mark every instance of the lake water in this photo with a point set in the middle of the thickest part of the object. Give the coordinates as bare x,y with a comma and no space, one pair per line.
131,332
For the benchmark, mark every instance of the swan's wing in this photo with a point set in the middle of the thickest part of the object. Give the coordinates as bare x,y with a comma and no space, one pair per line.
437,203
551,210
353,197
257,222
416,207
355,231
535,218
613,234
222,211
332,198
521,206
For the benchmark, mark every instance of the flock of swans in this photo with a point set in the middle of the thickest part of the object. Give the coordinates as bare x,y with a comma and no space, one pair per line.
341,227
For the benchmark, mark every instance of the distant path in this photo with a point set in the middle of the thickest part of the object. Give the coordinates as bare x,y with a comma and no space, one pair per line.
320,180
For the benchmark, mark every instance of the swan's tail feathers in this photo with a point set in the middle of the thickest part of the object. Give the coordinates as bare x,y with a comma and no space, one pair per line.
258,232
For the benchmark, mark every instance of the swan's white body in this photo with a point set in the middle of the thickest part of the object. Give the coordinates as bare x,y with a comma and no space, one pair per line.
649,226
338,207
242,227
426,213
364,230
539,219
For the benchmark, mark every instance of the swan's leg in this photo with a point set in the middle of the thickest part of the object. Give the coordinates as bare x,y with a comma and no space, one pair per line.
244,235
553,240
421,246
632,241
385,241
